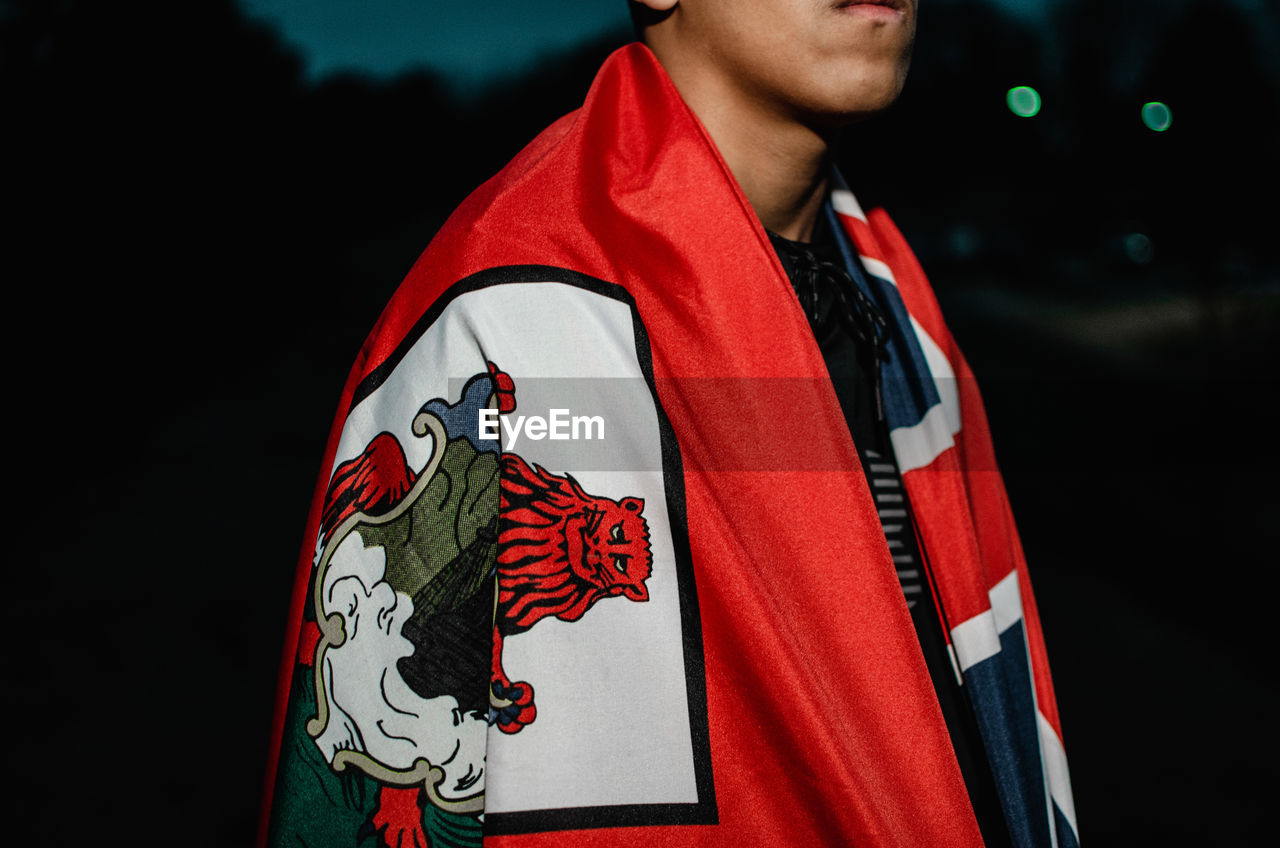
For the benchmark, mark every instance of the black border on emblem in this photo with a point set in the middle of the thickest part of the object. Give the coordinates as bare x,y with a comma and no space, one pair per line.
626,815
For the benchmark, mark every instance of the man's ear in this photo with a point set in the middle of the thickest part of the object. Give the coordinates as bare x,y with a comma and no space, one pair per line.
658,5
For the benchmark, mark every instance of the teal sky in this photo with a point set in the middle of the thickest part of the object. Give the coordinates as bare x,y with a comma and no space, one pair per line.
474,43
470,42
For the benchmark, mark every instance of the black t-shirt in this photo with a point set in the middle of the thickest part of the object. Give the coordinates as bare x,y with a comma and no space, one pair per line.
849,328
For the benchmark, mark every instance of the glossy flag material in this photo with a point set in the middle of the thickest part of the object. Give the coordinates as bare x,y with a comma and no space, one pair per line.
690,630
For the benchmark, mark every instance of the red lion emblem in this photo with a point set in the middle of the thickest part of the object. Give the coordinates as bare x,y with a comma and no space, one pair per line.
560,550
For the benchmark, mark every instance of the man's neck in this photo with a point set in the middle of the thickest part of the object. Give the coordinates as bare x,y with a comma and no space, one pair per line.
784,183
779,162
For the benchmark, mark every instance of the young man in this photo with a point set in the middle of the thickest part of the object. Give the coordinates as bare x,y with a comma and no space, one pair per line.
661,504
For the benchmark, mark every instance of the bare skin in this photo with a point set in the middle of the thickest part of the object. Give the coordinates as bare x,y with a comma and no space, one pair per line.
773,81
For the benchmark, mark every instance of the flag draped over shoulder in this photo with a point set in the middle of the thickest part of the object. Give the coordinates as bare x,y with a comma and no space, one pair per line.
593,550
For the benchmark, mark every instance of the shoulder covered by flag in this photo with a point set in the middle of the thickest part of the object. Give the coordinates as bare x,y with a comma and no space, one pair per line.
678,621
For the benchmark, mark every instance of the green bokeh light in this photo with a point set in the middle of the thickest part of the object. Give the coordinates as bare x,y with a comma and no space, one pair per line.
1139,249
1156,116
1023,100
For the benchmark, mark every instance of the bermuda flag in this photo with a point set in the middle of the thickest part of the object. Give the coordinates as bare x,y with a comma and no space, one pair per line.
688,631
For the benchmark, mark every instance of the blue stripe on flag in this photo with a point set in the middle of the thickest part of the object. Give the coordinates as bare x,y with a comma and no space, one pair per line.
908,388
1000,690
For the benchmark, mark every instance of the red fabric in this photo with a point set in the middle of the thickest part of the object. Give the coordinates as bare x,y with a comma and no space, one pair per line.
997,544
825,729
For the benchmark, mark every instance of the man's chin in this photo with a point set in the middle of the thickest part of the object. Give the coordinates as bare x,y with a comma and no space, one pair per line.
865,98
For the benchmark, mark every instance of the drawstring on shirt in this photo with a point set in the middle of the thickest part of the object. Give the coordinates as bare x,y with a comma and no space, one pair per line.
851,306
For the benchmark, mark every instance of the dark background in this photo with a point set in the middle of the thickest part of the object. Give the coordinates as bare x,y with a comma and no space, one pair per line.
200,234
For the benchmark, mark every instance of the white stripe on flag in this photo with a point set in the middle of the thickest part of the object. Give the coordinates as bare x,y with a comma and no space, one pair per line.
916,447
1006,602
1055,771
843,201
975,640
944,378
877,268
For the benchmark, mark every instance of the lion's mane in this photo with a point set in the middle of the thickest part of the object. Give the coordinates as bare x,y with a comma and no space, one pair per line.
535,579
